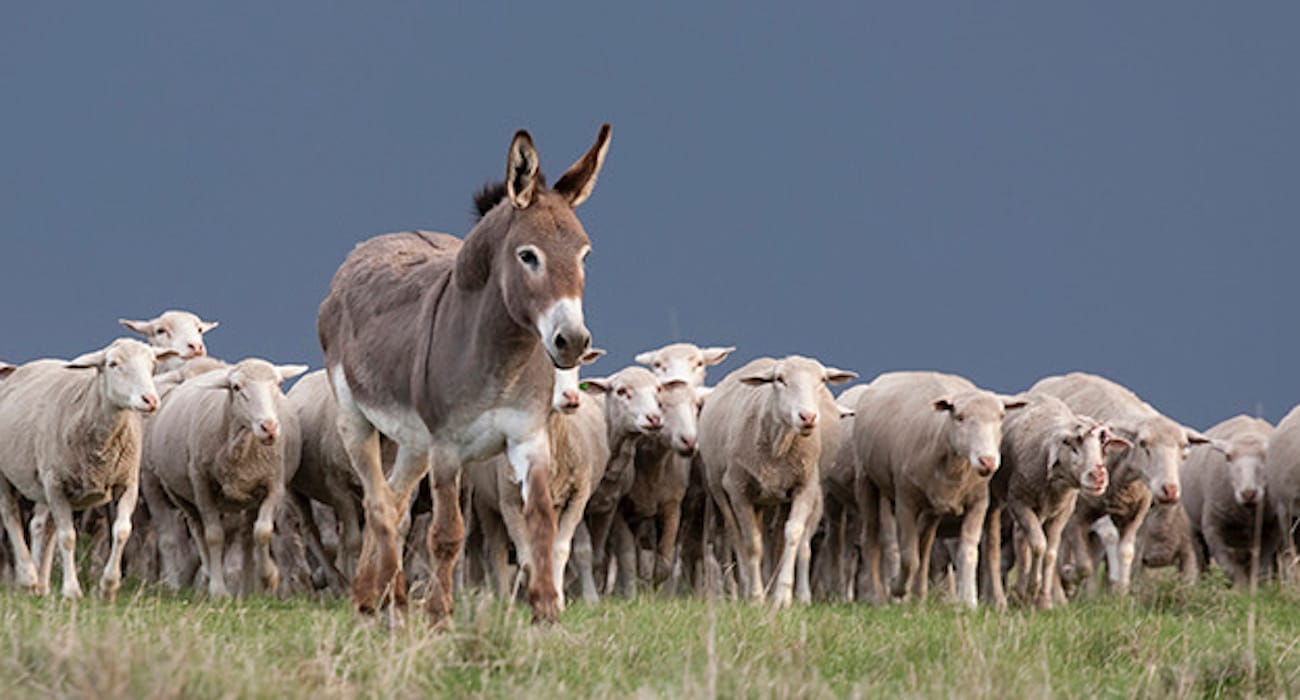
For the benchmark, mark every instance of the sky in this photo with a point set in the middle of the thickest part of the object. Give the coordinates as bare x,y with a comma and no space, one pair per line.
1002,190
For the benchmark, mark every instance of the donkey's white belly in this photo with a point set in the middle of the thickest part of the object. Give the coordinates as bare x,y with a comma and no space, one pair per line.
399,423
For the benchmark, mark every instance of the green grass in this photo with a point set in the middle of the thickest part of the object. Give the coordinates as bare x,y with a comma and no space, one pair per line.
1169,639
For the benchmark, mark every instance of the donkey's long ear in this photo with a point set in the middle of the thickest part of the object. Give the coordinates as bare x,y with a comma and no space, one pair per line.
521,170
580,179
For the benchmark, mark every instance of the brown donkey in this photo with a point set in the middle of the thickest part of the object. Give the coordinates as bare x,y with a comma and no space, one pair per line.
434,342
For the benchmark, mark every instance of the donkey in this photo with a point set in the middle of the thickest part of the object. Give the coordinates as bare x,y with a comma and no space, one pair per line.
448,347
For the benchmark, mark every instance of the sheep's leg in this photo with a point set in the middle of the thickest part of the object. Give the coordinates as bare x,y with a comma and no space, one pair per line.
869,585
125,508
66,537
927,526
625,556
566,527
670,515
24,567
968,554
582,561
348,512
214,537
1128,548
749,541
380,562
263,528
803,556
496,547
1031,530
832,556
910,572
990,564
301,505
42,547
802,507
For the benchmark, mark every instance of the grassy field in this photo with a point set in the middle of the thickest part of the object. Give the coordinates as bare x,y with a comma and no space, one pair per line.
1169,639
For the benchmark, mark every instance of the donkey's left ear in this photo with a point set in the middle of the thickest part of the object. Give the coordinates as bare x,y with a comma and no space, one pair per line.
580,179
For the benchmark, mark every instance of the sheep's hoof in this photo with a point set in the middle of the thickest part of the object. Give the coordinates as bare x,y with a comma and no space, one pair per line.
72,592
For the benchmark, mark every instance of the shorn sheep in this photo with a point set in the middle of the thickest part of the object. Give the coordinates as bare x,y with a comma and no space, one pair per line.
72,435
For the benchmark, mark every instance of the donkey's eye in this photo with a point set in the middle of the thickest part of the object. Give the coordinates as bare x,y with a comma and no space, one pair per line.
528,257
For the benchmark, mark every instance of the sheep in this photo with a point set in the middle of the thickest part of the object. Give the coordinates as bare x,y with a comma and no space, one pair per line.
762,442
1223,485
661,475
1166,540
579,452
1137,474
926,444
629,400
689,363
72,441
683,361
1049,454
1282,483
181,331
221,443
839,494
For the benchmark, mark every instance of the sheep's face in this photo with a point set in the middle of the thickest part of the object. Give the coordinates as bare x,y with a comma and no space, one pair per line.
180,331
255,396
1158,451
680,409
974,427
683,362
126,373
797,384
1078,455
566,396
1245,456
631,400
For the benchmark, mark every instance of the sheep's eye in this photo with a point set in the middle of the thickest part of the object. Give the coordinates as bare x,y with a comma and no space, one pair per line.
659,365
959,418
623,392
237,388
162,331
780,379
528,257
113,364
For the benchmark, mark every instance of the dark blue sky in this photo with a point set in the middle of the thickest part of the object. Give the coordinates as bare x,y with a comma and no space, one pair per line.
1003,190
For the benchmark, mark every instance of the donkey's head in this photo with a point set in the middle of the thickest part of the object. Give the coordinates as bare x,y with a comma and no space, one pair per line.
530,243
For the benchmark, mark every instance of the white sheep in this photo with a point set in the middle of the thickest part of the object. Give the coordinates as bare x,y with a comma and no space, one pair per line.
221,443
72,436
762,436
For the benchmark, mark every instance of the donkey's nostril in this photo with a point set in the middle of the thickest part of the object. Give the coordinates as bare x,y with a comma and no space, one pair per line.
560,342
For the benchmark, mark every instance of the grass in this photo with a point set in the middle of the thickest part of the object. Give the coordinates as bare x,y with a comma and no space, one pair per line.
1167,640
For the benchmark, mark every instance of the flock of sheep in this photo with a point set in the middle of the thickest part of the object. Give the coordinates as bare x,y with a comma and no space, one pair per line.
460,361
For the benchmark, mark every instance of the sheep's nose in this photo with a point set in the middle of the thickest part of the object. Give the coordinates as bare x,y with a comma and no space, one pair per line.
269,427
150,402
571,398
197,349
988,463
808,419
1248,496
654,421
689,443
1169,493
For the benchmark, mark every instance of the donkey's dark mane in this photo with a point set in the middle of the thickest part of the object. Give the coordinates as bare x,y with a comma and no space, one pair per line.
492,193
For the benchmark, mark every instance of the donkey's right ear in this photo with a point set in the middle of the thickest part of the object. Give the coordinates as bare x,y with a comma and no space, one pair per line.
521,170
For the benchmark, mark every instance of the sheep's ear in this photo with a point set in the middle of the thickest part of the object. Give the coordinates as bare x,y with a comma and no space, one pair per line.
6,369
944,404
521,170
205,326
1110,440
216,379
765,377
645,358
287,372
91,360
1221,446
1195,437
144,328
595,386
713,356
702,394
164,353
838,376
1011,403
591,356
579,180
